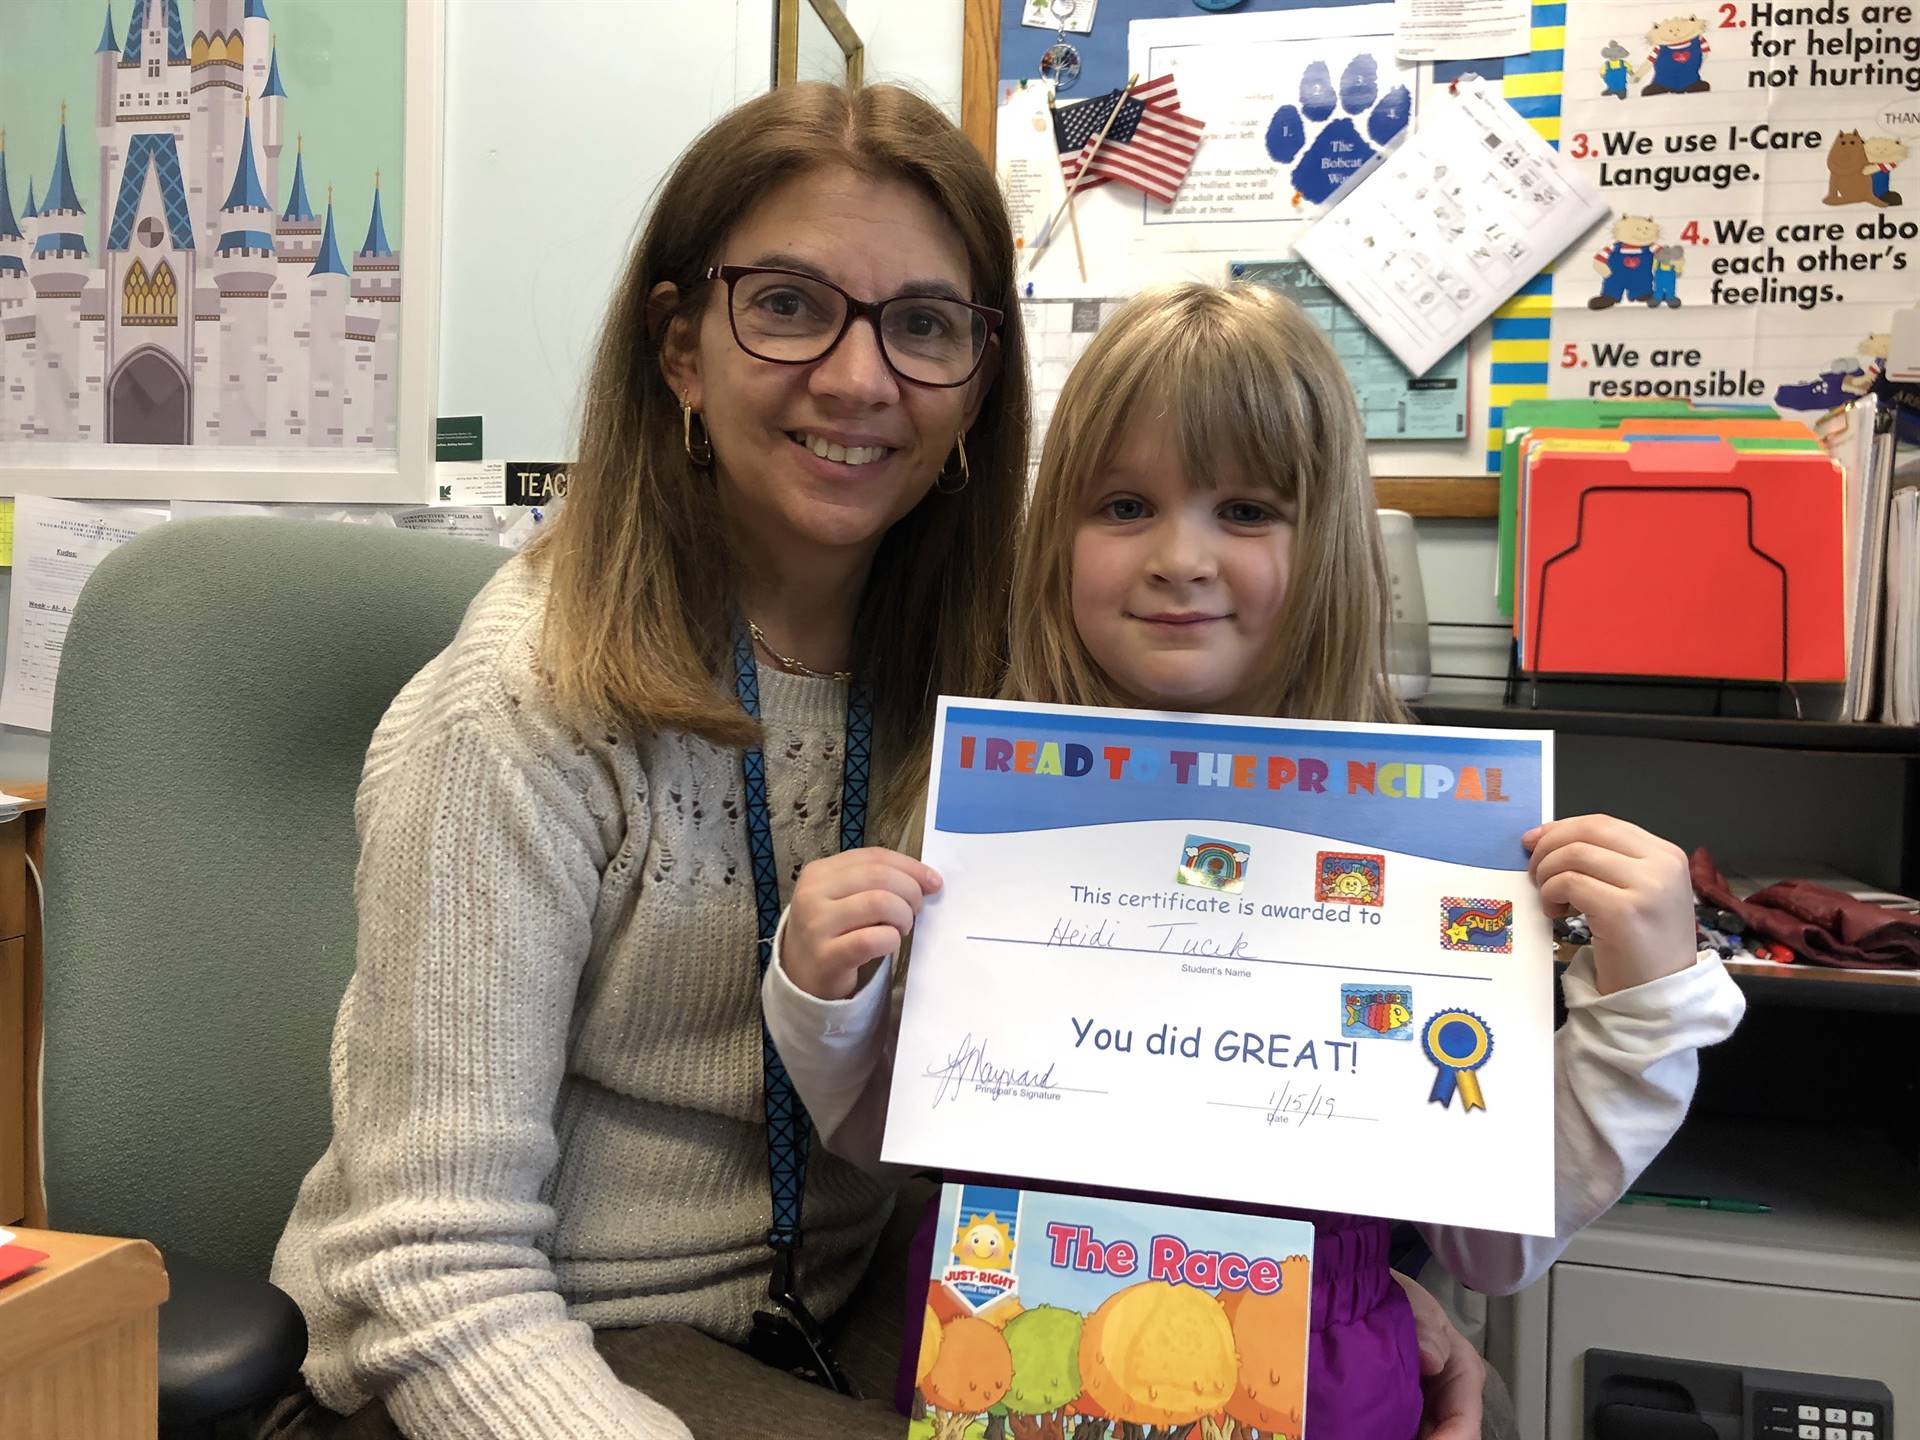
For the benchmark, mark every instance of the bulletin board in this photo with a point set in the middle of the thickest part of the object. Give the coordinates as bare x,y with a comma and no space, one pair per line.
1762,164
997,45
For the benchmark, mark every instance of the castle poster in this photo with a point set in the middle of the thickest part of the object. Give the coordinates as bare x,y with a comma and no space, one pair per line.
200,225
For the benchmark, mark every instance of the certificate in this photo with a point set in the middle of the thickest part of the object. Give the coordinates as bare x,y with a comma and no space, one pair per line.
1292,963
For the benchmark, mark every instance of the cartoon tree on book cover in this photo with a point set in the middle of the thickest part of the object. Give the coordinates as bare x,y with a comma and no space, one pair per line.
1154,1361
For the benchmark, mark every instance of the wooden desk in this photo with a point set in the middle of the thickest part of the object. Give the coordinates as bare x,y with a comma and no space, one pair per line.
79,1341
20,974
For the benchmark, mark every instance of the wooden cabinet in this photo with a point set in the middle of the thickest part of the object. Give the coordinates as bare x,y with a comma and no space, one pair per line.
21,840
79,1341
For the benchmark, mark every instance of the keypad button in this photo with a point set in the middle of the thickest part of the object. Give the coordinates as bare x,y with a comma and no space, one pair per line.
1809,1432
1863,1434
1836,1417
1809,1412
1836,1432
1863,1418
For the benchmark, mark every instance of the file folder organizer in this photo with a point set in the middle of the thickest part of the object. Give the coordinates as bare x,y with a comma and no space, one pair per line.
1742,435
1683,559
1523,415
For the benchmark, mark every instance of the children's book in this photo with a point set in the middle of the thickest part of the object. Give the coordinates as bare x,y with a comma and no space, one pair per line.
1062,1317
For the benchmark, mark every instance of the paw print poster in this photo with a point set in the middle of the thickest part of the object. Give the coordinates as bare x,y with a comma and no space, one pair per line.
1296,102
1757,162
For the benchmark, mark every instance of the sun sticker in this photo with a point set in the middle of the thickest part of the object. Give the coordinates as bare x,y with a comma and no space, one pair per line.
1350,879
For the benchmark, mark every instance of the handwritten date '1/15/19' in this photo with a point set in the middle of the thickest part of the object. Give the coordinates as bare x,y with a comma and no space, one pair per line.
1289,1106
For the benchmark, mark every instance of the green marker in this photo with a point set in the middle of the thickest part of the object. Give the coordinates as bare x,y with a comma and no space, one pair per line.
1695,1202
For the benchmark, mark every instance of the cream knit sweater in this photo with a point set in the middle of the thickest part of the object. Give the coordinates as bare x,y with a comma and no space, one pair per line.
546,1071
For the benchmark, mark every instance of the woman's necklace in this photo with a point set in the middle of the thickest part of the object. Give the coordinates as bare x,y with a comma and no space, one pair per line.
788,663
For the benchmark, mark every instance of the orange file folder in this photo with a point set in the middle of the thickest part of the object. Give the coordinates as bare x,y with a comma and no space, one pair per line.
1684,559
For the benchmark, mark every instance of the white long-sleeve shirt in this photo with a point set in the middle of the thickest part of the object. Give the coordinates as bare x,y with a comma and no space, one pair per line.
1624,1071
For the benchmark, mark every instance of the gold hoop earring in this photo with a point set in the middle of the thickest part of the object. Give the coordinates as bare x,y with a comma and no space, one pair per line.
943,481
700,452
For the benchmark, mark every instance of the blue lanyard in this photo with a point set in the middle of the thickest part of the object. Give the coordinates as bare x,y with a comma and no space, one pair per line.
789,1131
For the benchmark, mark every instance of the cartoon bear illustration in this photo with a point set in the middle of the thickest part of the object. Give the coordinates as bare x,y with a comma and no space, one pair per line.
1615,71
1883,153
1679,46
1626,266
1668,262
1873,358
1850,173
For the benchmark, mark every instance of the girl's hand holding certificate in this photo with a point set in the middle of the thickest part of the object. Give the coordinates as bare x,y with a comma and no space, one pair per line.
1632,886
849,910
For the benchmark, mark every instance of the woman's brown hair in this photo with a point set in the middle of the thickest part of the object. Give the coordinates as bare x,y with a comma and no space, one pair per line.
642,589
1248,386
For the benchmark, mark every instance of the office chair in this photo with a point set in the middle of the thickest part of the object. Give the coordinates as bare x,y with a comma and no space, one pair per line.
218,690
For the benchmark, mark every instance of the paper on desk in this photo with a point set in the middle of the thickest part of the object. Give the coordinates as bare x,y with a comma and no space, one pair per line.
1450,225
15,1258
1462,29
57,545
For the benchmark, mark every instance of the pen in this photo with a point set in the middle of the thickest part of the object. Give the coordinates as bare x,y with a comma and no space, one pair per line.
1696,1202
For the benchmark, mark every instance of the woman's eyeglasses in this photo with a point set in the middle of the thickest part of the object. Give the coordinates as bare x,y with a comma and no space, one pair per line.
789,318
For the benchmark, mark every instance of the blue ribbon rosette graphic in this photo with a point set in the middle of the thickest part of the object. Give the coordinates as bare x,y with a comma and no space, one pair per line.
1459,1043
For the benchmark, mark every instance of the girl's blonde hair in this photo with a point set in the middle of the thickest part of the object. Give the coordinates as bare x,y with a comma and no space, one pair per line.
642,587
1246,385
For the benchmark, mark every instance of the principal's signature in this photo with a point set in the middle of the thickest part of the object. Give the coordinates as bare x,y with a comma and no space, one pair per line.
968,1067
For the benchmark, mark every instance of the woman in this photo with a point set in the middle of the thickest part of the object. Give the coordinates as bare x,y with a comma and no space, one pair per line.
558,1145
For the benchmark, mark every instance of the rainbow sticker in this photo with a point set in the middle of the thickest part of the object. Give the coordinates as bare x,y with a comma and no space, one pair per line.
1349,878
1213,864
1485,925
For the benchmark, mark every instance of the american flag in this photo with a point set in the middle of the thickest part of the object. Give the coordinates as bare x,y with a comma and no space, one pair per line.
1150,147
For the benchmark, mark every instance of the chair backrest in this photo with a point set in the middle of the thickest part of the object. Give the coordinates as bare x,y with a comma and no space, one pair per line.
218,689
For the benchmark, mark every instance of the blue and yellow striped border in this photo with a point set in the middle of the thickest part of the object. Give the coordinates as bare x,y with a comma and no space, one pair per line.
1532,84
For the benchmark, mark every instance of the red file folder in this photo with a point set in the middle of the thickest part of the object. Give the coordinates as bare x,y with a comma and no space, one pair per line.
1682,559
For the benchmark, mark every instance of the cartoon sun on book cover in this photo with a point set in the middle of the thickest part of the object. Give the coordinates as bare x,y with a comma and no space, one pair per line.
1056,1317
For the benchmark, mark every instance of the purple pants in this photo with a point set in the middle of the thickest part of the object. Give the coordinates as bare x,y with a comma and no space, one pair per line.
1363,1358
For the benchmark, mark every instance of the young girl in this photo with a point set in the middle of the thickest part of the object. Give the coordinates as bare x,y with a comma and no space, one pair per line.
1202,538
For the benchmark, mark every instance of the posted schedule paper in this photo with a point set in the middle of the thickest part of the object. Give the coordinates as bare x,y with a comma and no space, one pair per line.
57,544
1292,963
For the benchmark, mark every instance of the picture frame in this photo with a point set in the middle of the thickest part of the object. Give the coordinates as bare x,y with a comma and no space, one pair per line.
332,472
791,38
